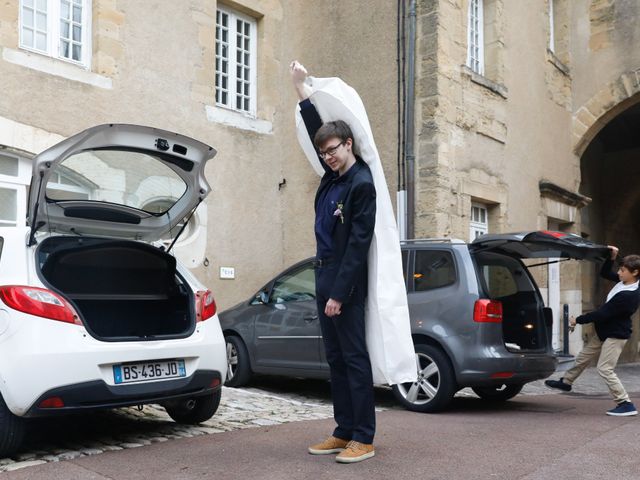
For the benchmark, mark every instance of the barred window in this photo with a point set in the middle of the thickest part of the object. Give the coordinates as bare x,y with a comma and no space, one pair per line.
58,28
236,61
475,51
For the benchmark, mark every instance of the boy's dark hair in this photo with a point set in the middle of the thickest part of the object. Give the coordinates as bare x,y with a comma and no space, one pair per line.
632,263
336,129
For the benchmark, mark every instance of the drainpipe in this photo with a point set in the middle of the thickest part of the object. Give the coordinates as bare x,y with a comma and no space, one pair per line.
409,156
401,196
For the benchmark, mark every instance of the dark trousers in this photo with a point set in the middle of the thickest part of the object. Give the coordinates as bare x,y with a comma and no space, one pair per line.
350,367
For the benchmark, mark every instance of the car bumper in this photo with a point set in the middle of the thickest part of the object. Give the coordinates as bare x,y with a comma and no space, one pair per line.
507,368
98,395
39,356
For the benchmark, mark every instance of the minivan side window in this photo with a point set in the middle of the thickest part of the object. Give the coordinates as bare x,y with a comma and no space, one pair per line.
298,286
433,269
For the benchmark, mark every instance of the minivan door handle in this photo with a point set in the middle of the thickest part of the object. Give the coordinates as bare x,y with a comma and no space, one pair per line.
310,318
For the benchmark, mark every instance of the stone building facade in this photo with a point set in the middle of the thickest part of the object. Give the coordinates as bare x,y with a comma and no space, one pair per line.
541,135
524,113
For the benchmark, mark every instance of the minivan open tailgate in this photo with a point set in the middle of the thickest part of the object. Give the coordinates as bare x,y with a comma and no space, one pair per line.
541,244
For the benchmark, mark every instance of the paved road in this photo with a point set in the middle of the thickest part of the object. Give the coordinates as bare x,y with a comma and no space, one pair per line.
271,402
537,437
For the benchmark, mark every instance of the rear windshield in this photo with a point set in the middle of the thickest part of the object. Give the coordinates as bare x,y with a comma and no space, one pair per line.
501,276
134,179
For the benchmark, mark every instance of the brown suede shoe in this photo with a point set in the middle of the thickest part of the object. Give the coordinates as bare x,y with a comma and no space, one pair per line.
355,452
330,445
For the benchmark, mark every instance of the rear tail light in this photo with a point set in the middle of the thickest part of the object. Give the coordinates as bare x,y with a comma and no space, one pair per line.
487,311
39,302
553,234
205,305
51,402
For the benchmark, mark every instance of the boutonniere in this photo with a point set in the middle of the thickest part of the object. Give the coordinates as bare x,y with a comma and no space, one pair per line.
338,212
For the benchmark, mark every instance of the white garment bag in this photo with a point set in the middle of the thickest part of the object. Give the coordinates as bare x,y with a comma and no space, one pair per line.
388,328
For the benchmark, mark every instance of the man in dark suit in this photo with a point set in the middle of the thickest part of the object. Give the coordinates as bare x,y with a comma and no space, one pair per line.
345,207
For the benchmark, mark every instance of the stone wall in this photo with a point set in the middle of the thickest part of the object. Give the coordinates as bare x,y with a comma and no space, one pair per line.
155,66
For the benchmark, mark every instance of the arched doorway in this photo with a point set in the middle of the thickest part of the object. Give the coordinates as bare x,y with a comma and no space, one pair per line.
610,170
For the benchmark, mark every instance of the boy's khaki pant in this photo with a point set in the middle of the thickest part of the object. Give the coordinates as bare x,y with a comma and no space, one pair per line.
609,351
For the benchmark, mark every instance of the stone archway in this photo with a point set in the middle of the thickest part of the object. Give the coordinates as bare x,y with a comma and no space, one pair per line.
610,101
606,141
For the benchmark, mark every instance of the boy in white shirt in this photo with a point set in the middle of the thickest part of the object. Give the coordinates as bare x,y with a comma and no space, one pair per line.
612,322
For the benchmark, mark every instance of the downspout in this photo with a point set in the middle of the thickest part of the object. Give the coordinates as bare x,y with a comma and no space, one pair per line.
410,123
401,196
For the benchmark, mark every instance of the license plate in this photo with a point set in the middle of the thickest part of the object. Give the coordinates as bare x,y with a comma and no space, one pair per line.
146,371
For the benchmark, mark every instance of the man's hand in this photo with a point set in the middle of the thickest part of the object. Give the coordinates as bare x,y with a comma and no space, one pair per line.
298,77
332,308
614,251
572,323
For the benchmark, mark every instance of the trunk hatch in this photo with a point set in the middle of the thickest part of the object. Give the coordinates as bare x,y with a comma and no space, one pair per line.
541,244
122,181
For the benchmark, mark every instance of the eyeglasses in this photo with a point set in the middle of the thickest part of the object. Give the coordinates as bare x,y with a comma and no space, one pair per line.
329,152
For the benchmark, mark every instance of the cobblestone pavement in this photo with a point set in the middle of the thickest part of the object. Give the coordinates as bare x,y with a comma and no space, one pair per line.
64,438
269,401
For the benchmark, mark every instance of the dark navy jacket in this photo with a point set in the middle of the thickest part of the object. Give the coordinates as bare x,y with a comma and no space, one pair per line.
613,319
344,278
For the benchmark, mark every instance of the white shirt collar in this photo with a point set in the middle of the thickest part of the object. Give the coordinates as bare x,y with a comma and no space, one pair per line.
621,287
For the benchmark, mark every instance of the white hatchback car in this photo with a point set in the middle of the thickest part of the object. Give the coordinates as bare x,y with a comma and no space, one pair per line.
94,310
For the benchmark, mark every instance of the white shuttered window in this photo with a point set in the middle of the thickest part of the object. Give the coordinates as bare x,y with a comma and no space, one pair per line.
552,33
475,37
479,224
57,28
236,47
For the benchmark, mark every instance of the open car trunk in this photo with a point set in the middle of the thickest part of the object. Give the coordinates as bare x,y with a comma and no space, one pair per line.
506,279
526,322
122,290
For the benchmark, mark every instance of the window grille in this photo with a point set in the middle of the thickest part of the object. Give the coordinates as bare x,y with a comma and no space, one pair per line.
236,61
57,28
475,53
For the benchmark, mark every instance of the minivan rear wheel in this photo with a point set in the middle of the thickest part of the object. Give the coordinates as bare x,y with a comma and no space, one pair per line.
500,393
435,386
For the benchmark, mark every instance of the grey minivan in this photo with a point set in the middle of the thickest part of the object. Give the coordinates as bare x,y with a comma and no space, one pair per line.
477,318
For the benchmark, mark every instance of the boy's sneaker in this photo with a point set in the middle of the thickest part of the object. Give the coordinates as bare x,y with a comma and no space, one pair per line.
624,409
558,384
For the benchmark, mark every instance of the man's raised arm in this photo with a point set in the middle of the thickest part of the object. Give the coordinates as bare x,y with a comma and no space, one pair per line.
310,116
